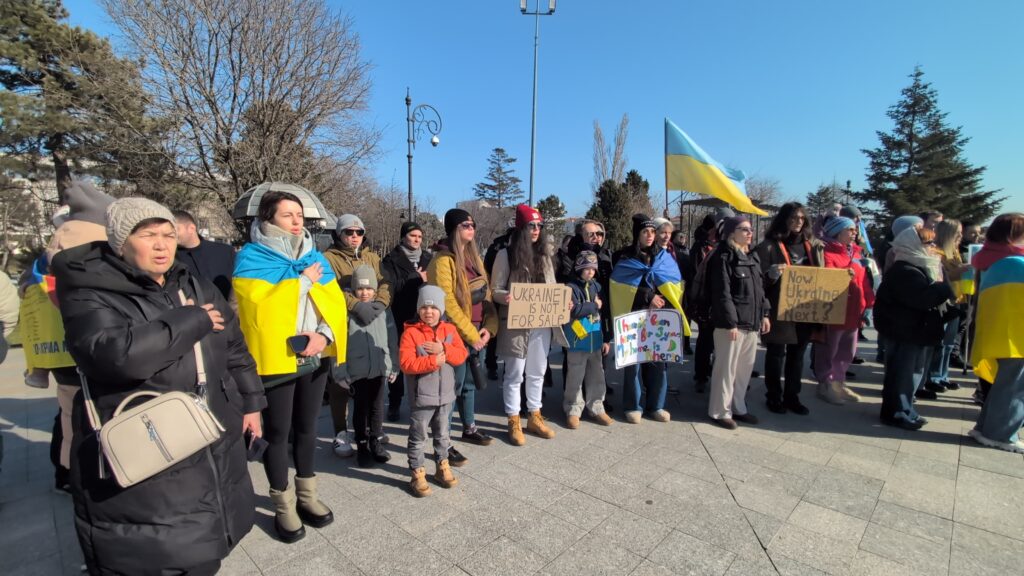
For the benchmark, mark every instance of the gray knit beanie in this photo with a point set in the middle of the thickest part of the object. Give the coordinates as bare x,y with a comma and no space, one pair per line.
124,215
431,295
346,221
86,203
364,277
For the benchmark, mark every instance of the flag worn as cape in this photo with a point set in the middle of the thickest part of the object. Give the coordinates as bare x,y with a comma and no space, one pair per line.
42,328
999,332
266,284
663,275
689,168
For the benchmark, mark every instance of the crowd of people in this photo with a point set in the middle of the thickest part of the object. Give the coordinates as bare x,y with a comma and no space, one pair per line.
281,326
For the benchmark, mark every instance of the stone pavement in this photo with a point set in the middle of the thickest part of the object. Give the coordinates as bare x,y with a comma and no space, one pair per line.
830,493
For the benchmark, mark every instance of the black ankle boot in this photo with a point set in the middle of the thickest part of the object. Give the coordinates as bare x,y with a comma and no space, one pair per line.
377,450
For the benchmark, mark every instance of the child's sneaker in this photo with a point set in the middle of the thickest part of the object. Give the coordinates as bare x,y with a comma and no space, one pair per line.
343,445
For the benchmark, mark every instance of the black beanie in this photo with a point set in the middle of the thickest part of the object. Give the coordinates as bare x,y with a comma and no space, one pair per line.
409,227
453,218
641,221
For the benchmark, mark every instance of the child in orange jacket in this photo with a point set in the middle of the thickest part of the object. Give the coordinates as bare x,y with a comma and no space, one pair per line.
429,351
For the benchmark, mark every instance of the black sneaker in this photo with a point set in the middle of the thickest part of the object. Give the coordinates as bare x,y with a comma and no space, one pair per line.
934,386
796,407
378,451
477,437
857,360
776,407
393,413
364,458
950,385
747,418
455,458
903,423
923,393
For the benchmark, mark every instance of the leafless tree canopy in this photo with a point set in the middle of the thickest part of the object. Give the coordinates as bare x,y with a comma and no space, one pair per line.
608,164
258,90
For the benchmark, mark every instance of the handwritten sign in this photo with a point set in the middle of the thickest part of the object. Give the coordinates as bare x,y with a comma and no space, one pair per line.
813,295
538,306
648,336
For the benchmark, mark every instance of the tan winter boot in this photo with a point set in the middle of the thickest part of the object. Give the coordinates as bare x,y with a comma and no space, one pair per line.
444,475
418,483
287,523
515,431
536,426
572,422
311,510
603,419
832,393
848,394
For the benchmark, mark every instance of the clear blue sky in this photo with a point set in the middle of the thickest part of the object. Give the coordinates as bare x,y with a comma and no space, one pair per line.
790,90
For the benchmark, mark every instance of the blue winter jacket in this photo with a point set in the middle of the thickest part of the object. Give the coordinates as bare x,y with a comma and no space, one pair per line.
587,314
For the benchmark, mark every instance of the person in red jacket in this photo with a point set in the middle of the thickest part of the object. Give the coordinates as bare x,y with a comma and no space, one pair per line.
833,357
428,354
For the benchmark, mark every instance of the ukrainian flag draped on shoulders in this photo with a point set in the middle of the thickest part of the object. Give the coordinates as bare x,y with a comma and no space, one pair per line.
42,328
267,284
999,331
662,275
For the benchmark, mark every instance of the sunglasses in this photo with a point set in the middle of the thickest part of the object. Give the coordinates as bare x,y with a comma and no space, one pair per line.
467,225
535,225
598,233
353,232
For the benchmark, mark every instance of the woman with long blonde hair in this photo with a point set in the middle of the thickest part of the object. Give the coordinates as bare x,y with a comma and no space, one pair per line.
948,234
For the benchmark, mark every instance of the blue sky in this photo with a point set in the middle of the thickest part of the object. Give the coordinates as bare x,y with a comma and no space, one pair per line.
790,90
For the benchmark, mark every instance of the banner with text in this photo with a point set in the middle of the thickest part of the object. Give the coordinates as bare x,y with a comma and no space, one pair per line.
538,305
648,336
809,294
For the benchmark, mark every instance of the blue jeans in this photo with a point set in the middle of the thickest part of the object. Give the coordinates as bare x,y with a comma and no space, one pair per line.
1003,412
652,376
940,360
904,372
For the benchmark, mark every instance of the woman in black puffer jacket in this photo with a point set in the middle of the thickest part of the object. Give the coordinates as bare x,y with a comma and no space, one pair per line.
128,331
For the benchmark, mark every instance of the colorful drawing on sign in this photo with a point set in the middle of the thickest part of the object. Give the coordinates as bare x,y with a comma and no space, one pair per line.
648,336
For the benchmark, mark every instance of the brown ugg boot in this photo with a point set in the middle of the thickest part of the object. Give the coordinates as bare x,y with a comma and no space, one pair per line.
444,475
535,425
311,510
515,431
287,523
418,483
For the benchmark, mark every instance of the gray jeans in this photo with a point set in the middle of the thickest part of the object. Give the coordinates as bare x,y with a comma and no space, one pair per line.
584,370
436,417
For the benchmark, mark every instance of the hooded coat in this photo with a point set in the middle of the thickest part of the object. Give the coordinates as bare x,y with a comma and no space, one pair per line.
127,334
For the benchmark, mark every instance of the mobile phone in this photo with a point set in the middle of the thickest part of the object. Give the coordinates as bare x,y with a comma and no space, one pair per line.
298,343
255,447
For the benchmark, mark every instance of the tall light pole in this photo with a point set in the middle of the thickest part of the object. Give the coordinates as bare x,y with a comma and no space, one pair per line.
536,43
417,119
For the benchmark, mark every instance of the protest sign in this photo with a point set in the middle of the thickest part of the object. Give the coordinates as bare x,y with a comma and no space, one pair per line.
813,295
648,336
538,305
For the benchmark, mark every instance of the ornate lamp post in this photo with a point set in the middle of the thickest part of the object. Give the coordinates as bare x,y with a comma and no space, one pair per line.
422,117
536,42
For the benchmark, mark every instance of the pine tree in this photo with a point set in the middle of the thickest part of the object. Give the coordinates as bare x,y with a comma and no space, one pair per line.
68,99
920,165
553,211
638,189
613,208
822,200
501,186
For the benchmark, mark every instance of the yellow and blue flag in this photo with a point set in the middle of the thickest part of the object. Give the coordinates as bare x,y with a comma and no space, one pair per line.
689,168
663,275
266,284
999,332
40,322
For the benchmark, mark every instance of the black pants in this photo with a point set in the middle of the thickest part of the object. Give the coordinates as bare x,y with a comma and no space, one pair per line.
293,406
491,358
338,397
705,349
790,356
368,409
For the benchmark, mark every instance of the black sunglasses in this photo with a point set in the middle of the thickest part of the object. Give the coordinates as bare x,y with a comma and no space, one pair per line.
353,232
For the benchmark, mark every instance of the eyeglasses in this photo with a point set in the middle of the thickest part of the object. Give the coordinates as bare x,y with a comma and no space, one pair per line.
354,232
467,225
535,225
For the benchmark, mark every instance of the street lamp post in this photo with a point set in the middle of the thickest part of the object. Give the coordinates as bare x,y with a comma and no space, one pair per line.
423,116
536,43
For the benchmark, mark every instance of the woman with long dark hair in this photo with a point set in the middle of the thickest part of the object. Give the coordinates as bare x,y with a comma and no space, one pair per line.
788,242
458,270
529,258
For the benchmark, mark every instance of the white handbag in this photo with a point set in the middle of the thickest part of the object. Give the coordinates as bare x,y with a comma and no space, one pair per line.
140,442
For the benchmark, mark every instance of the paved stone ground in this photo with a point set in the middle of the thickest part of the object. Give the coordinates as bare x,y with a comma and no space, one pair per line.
831,493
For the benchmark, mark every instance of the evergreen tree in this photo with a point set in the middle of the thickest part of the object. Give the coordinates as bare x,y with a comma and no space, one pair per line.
638,189
68,99
920,165
501,186
553,211
822,200
613,208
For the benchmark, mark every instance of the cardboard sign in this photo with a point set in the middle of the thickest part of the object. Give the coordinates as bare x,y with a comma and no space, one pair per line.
538,306
813,295
648,336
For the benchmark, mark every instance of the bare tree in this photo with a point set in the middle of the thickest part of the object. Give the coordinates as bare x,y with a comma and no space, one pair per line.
609,164
764,190
255,90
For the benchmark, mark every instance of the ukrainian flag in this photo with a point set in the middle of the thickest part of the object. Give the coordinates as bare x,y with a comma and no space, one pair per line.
663,275
40,322
266,284
999,332
689,168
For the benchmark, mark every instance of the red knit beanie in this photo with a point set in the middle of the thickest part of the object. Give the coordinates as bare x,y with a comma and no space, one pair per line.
525,214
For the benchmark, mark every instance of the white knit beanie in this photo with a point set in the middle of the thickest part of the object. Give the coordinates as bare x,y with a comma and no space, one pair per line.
124,215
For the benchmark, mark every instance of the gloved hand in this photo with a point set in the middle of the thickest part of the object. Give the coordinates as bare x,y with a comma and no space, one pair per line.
366,312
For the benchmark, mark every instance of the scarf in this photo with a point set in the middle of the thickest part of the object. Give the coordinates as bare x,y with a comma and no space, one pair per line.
991,253
276,237
412,255
908,248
